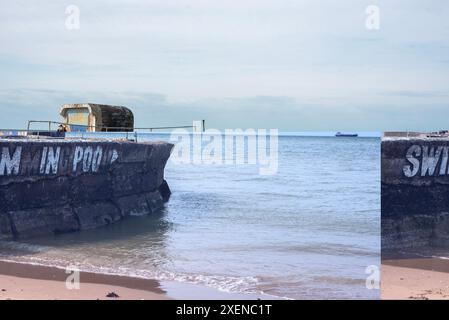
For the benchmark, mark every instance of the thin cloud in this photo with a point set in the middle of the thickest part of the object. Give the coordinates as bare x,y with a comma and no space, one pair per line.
318,56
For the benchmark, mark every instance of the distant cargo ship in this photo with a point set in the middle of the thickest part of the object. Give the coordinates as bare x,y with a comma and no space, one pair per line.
340,134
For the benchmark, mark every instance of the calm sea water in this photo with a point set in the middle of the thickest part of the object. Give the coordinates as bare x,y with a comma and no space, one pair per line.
309,231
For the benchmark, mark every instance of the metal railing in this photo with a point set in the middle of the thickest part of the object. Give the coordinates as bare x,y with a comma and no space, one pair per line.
97,129
105,128
26,133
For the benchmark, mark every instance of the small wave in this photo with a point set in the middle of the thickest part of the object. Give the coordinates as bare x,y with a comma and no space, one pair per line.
22,247
228,284
422,254
277,194
313,248
440,257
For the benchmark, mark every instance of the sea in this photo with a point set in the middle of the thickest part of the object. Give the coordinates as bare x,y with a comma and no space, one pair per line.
309,230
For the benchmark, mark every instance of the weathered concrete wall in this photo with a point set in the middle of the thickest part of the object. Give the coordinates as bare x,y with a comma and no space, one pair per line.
56,186
415,192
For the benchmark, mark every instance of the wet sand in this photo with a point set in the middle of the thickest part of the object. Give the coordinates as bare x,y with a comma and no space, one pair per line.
31,282
416,278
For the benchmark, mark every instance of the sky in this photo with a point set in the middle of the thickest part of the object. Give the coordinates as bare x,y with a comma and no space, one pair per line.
292,65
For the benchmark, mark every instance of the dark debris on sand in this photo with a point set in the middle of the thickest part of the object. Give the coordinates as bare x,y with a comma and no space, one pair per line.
112,295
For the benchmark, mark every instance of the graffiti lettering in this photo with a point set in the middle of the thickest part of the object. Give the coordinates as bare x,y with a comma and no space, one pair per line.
426,160
87,159
96,160
78,157
10,165
53,160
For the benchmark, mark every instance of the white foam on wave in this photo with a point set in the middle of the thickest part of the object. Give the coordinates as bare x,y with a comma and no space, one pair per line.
440,257
228,284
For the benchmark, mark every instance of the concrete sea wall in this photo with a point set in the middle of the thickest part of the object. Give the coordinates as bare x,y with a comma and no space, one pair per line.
57,186
414,192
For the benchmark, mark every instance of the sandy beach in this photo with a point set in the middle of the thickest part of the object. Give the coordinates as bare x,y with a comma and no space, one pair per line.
422,279
30,282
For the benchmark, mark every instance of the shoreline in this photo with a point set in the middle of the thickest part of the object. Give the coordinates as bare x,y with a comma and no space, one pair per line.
19,281
415,278
26,281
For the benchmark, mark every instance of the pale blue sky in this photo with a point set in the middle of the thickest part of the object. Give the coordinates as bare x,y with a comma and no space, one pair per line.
292,65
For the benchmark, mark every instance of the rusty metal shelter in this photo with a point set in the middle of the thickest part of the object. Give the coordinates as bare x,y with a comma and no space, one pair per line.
91,117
